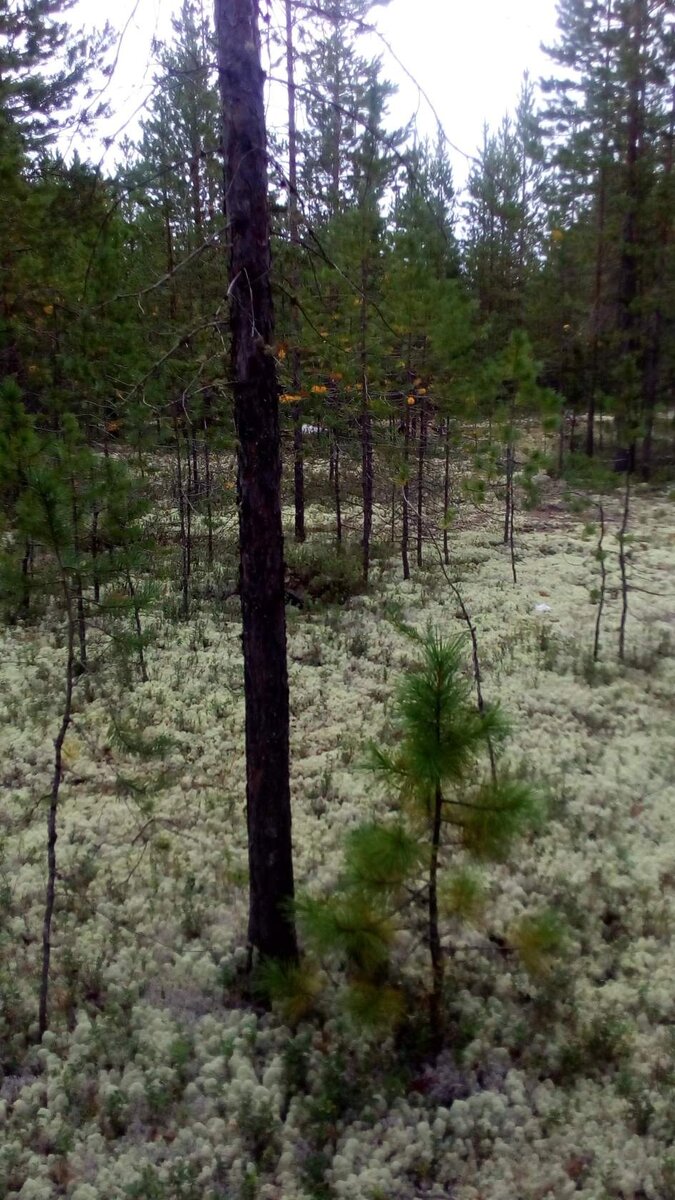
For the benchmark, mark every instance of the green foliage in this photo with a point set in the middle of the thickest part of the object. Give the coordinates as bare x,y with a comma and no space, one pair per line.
441,731
497,812
132,740
391,867
322,574
462,895
539,939
380,858
293,989
350,927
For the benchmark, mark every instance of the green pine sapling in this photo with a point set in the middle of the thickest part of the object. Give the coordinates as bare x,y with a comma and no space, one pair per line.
444,805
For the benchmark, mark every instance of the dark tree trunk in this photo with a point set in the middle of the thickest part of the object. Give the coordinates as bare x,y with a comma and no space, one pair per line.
52,832
599,265
656,323
26,563
602,591
366,435
294,231
446,494
629,266
623,567
435,948
183,510
405,515
207,487
422,450
256,412
336,489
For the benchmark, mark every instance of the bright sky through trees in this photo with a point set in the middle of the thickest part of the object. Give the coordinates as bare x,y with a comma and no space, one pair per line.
468,57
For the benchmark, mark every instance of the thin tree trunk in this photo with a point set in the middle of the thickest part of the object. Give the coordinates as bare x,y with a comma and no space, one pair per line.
599,262
600,555
26,563
336,490
629,265
94,556
256,412
182,516
654,342
422,449
405,515
366,438
138,626
507,498
446,494
43,1007
209,503
294,231
623,569
512,505
435,948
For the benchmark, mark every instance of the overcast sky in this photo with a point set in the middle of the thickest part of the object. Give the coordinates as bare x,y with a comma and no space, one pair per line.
469,56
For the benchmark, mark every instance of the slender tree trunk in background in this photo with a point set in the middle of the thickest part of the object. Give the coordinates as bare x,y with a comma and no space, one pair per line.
336,489
654,338
43,1008
599,260
602,591
207,487
512,548
294,231
405,515
26,563
597,301
446,494
366,438
79,591
623,564
435,948
635,24
137,624
182,516
420,479
94,556
256,413
194,489
170,260
507,499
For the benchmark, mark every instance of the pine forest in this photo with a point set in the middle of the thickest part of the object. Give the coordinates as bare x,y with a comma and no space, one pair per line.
337,613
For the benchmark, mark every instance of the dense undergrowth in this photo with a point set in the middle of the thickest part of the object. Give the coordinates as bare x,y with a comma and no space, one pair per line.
160,1077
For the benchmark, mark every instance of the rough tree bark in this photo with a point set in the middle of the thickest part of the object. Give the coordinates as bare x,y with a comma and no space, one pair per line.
294,231
256,411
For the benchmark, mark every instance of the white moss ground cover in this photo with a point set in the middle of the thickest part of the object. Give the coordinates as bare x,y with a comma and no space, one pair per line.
156,1080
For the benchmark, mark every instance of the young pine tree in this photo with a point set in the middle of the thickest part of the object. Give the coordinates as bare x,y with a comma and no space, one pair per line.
445,807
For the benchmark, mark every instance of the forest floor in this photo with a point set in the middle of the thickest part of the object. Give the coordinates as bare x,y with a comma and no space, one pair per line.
158,1081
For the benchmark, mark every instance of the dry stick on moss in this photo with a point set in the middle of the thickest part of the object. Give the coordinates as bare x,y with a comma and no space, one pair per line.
43,1013
600,555
622,565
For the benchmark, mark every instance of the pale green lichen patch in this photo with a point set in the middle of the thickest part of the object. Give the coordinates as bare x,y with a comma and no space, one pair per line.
156,1080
